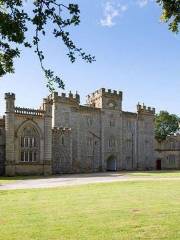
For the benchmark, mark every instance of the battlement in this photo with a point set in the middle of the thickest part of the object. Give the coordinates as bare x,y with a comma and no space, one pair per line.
29,111
142,109
10,95
105,92
105,98
75,98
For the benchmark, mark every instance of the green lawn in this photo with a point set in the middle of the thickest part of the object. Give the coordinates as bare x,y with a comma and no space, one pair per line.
169,173
110,211
6,180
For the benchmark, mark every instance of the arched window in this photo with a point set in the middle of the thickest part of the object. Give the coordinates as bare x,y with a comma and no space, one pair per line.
29,144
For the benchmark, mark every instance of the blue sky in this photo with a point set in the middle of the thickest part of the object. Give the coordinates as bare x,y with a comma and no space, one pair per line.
135,53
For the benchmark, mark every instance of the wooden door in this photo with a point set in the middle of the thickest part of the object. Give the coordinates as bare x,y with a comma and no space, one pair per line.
158,164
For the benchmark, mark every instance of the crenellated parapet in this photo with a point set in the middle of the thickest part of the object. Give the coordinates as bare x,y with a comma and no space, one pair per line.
9,96
69,98
105,98
142,109
106,93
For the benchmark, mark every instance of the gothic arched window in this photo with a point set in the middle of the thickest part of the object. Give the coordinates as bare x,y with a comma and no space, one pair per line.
29,144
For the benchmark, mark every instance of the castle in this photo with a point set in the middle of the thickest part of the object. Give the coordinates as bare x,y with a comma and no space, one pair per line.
63,136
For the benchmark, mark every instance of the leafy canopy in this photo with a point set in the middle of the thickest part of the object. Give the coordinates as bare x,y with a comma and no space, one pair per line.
171,13
15,22
165,124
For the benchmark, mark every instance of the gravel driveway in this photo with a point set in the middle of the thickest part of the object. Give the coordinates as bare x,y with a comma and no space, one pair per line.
75,179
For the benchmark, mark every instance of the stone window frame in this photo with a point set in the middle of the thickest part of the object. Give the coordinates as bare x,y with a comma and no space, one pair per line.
39,132
29,145
28,156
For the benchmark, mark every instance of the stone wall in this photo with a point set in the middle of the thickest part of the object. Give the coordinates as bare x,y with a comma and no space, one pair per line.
102,134
145,138
2,146
61,151
129,141
73,138
85,134
16,121
89,139
111,125
168,152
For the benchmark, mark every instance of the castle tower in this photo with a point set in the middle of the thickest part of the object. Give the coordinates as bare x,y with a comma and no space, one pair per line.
106,99
145,137
47,137
61,104
9,128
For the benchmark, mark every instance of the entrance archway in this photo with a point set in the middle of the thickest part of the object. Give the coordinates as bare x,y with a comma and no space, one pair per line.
111,164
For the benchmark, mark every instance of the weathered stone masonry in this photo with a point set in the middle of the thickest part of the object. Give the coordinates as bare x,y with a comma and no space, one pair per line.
66,137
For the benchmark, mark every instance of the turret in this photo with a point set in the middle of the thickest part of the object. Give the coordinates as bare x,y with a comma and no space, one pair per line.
10,101
142,109
77,97
145,137
9,127
47,107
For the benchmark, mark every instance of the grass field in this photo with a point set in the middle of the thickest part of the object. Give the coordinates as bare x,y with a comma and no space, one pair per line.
110,211
169,173
6,180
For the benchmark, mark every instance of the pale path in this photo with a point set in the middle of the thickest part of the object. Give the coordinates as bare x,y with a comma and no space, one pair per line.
78,179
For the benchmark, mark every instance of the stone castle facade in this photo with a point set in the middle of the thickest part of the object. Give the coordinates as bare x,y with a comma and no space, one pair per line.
66,137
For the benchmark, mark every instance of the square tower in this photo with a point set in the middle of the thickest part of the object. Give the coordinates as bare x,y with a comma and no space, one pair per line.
106,99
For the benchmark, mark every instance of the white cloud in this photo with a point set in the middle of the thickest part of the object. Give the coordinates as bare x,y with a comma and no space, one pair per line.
142,3
112,11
